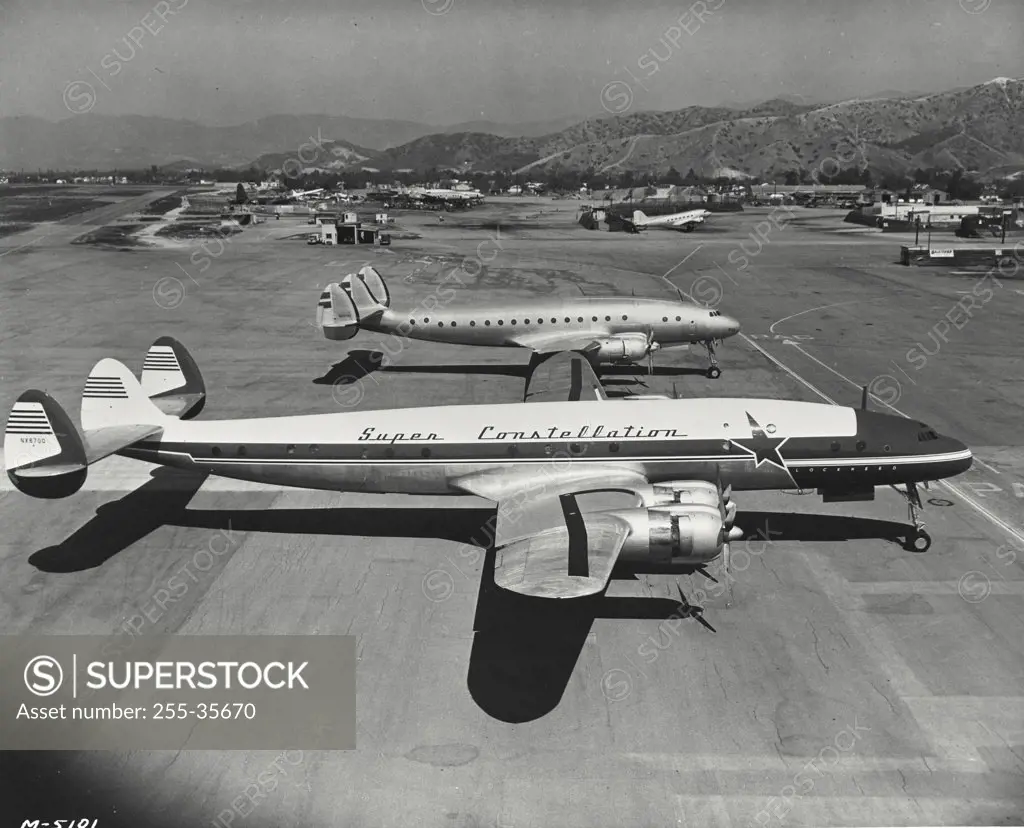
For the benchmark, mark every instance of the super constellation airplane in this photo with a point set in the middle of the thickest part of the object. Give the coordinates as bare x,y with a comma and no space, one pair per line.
670,464
686,221
607,330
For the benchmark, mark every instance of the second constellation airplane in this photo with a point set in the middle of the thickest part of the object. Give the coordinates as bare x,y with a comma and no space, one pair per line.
671,465
607,330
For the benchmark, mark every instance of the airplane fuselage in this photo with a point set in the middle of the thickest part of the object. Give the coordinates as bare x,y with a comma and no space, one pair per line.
670,322
746,443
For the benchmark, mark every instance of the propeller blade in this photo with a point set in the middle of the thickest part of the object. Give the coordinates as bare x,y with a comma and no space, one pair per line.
696,613
703,571
726,557
704,623
730,517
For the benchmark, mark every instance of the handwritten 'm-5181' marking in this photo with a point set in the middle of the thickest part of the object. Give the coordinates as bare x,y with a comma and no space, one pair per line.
60,823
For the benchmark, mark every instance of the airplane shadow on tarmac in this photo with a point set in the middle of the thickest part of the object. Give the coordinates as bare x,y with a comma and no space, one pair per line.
121,523
524,649
358,364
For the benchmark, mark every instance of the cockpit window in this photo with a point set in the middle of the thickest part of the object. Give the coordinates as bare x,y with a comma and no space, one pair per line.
926,435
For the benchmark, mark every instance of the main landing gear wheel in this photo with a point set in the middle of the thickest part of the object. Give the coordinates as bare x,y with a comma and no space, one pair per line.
714,372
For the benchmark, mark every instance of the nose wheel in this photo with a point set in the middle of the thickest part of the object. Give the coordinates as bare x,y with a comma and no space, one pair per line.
714,372
918,540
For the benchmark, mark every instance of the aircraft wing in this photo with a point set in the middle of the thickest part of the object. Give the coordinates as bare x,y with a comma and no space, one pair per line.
548,544
549,343
565,377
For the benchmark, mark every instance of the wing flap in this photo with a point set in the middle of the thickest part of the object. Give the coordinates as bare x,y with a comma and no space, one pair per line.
528,499
554,536
548,565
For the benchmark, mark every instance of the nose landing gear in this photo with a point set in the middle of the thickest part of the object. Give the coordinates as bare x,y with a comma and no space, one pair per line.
714,372
917,540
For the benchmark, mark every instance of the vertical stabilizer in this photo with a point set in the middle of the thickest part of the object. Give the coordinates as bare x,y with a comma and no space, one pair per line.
43,451
172,380
113,397
375,284
335,314
365,303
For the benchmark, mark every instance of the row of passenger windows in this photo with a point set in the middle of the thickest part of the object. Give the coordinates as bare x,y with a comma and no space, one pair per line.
554,321
313,448
574,448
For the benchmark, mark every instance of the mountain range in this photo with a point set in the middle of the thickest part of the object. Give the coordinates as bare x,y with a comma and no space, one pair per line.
978,128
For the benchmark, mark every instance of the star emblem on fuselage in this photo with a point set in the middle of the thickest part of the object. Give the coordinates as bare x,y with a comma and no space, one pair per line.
762,447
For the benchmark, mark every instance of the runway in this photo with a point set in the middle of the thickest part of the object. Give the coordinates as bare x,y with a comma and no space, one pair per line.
847,682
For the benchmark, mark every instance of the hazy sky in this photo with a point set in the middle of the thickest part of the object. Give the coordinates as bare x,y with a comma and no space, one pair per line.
445,61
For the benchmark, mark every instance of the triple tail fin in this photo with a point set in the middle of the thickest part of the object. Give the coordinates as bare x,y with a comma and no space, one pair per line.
47,457
45,454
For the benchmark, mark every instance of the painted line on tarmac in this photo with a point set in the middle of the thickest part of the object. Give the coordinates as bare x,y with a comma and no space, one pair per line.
981,462
23,246
811,310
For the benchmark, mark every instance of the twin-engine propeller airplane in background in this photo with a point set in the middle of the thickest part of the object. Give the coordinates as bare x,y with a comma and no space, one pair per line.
670,466
607,330
686,221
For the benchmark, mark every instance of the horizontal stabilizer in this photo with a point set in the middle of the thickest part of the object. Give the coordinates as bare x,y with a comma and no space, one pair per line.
172,380
102,442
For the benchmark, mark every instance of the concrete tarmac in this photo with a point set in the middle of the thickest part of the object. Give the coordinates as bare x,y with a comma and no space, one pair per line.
847,681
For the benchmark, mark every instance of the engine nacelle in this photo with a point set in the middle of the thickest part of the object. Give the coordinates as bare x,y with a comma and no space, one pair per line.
673,535
699,492
627,347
